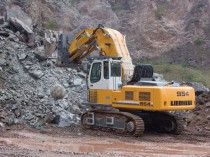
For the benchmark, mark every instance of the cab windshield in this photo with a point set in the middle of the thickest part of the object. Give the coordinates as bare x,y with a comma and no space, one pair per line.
95,72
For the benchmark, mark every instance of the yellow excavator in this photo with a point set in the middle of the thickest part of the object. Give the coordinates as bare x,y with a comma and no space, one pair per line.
123,98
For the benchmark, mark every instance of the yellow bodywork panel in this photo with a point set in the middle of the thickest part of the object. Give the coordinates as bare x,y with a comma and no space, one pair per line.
149,98
101,96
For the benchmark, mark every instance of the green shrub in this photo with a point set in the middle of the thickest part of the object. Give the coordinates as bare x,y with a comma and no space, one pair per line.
72,2
159,12
206,29
166,69
198,41
52,24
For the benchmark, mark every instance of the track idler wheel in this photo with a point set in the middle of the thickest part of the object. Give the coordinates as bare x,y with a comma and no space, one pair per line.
130,127
167,123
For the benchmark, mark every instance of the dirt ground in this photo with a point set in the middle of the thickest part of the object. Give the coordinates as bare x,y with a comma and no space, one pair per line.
19,141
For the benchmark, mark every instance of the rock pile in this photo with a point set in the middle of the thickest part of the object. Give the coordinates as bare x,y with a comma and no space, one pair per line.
26,82
198,121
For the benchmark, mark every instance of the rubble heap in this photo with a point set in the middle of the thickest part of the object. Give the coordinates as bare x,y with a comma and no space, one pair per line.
27,81
198,121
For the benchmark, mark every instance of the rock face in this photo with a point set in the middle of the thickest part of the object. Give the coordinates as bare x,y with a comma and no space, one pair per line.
163,28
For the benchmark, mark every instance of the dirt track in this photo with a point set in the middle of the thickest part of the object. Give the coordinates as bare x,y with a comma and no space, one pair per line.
67,142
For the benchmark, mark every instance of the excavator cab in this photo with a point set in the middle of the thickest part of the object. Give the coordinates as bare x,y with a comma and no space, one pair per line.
105,73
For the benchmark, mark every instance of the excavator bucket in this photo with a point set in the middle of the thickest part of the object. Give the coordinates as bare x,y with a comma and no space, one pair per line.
65,41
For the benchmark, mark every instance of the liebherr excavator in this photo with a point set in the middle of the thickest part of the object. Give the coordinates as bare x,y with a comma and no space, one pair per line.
117,103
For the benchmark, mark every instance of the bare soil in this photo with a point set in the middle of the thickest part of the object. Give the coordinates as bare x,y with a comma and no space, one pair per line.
19,141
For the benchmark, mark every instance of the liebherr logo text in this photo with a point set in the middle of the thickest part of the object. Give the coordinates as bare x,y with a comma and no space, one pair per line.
182,93
143,103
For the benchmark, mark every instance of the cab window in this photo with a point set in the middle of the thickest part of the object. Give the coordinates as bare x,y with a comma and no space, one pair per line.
115,69
106,69
95,72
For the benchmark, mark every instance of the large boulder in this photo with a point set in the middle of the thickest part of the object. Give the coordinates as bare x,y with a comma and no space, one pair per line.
58,91
20,25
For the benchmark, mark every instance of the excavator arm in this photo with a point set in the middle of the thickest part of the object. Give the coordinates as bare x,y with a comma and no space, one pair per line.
106,41
84,44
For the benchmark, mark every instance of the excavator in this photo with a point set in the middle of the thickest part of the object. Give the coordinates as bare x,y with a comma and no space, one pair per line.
123,98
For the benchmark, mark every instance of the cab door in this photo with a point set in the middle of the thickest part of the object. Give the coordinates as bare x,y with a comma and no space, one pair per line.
95,75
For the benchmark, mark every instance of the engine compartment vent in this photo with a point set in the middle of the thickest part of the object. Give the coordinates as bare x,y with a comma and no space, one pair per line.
144,96
128,95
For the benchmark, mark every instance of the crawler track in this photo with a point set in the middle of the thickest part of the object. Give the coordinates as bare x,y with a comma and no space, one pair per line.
134,123
123,122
